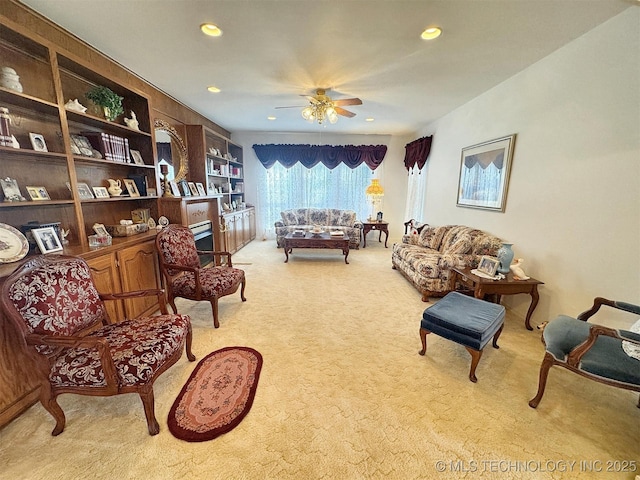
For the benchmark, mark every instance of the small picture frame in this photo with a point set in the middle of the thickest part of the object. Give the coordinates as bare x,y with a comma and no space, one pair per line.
37,142
136,157
82,144
131,187
101,192
488,265
84,192
38,193
175,191
47,239
200,188
100,230
379,217
11,190
184,188
152,192
193,189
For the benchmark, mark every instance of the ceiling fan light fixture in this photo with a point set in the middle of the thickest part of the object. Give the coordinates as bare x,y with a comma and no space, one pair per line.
309,114
369,119
271,117
211,30
213,89
431,33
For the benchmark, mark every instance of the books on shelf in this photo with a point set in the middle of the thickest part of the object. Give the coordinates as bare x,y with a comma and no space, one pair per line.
112,147
5,134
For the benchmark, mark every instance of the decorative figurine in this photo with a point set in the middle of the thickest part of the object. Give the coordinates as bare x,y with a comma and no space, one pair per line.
75,105
516,269
133,121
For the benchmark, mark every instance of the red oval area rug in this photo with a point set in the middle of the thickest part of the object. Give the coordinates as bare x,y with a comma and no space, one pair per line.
217,396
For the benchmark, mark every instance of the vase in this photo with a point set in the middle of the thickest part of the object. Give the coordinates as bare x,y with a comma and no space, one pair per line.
505,255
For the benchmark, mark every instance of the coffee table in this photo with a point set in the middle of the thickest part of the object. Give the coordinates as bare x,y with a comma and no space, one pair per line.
509,286
316,240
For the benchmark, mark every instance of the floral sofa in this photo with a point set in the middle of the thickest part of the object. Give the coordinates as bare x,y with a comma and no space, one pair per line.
330,218
426,259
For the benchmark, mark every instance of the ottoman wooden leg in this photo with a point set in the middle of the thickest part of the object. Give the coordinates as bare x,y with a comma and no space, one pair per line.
475,358
423,338
496,336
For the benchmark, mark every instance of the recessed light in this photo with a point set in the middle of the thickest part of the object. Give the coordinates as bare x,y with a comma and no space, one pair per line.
431,33
213,89
271,117
211,29
370,119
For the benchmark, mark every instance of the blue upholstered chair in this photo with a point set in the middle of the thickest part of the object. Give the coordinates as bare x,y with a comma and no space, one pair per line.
591,350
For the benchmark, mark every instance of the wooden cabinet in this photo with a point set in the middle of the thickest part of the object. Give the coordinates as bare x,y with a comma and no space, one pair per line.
126,270
104,270
49,79
239,229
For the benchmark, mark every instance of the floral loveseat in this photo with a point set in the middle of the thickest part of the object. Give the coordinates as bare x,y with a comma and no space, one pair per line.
426,259
330,218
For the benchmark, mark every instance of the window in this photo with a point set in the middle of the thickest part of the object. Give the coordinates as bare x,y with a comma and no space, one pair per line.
283,188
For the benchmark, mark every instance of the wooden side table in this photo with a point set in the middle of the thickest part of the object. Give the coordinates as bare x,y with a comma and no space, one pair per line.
483,287
380,227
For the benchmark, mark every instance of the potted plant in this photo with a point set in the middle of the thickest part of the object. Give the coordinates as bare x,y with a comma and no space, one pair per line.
106,98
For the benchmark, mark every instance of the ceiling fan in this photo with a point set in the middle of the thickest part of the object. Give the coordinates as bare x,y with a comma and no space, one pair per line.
322,108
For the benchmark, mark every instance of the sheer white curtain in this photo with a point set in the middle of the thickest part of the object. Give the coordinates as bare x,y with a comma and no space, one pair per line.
416,194
281,188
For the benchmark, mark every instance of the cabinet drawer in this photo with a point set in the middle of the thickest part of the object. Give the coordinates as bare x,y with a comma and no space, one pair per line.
199,212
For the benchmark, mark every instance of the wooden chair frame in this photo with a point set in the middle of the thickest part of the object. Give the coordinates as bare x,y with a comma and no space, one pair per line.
48,393
574,358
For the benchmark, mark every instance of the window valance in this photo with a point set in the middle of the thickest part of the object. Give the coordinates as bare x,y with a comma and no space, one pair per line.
416,153
329,155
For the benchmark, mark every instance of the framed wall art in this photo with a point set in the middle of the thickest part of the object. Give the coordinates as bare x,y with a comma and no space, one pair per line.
484,174
47,239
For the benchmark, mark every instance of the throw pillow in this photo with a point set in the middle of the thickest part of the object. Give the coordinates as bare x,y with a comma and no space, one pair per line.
461,245
431,237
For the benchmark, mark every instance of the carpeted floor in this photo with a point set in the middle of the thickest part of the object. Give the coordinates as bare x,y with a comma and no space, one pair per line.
343,394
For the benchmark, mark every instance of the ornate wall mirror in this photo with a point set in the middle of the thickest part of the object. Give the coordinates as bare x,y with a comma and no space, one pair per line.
171,150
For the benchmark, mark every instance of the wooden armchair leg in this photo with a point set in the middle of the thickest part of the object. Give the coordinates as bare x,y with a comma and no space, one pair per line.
242,291
146,396
423,339
187,346
214,309
547,363
50,404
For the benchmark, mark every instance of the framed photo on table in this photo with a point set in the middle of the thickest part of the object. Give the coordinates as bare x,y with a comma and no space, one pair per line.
173,186
184,188
47,239
193,189
201,190
488,265
484,174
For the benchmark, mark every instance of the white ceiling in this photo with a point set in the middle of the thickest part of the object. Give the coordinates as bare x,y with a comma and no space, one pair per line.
273,51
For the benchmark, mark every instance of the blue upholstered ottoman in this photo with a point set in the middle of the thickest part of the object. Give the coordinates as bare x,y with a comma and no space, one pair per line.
465,320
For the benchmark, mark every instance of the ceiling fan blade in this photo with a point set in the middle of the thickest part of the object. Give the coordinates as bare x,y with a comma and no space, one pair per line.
347,101
344,113
311,99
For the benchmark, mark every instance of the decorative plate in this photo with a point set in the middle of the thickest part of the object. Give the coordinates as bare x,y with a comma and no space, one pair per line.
13,244
163,221
151,222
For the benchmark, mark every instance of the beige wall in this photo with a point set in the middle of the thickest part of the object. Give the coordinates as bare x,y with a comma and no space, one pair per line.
573,207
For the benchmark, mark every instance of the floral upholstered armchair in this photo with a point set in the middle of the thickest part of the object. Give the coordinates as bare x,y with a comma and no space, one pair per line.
61,318
330,218
180,266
